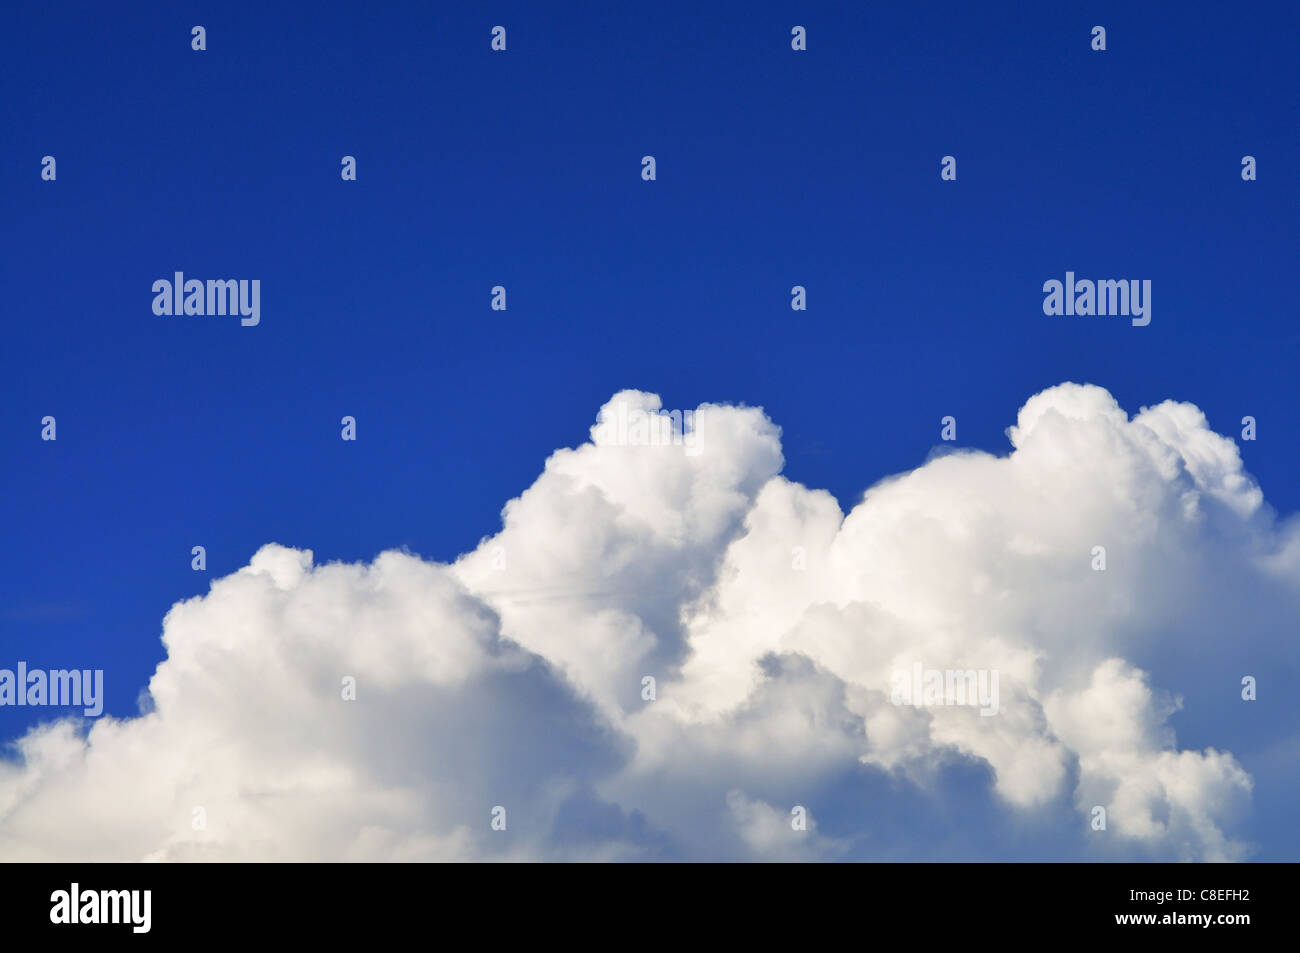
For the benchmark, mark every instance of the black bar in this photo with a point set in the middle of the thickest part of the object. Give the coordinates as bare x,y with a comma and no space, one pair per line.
929,905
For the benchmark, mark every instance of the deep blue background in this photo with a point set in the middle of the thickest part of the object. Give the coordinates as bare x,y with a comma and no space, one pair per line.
475,168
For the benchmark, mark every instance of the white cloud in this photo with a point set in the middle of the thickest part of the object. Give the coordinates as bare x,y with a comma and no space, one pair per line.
514,676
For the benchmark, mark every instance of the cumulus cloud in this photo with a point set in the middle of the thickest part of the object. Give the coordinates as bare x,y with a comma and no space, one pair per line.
671,650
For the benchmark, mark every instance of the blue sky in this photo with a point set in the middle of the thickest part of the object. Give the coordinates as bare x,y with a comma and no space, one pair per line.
522,169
